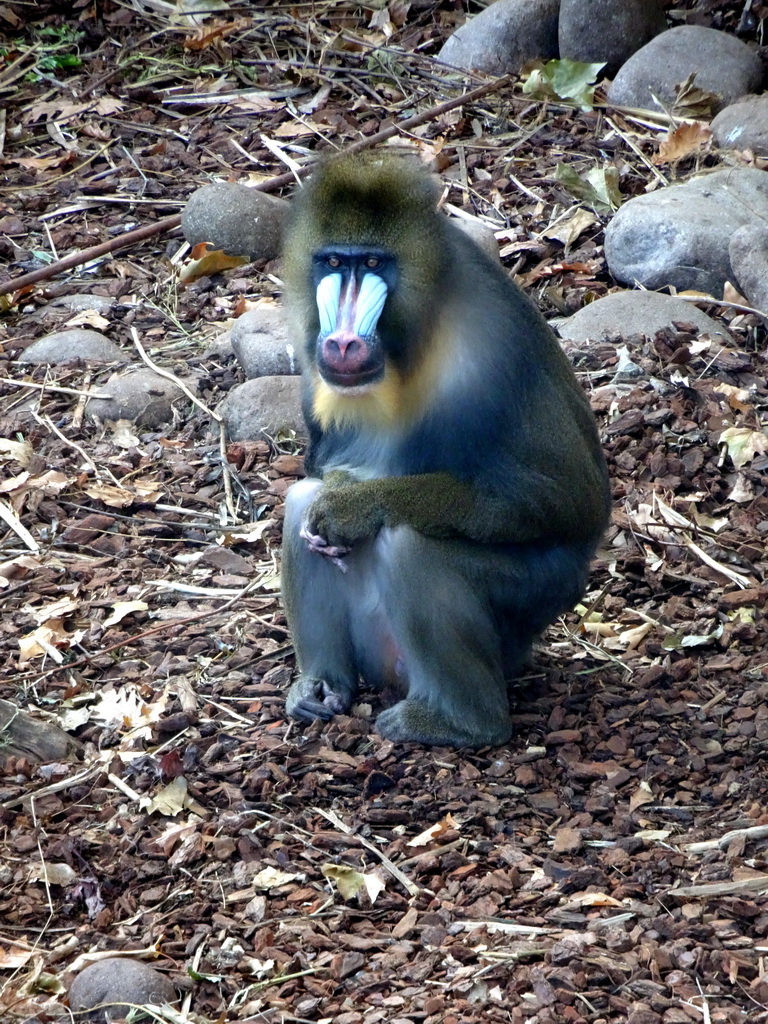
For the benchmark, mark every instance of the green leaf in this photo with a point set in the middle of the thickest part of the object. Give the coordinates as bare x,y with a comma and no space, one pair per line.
564,80
598,188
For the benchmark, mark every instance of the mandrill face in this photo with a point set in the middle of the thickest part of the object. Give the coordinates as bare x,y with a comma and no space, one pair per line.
352,284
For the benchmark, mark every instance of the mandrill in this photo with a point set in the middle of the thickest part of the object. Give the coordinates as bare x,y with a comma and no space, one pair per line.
456,488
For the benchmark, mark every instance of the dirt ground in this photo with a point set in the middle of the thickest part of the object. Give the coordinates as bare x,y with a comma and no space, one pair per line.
609,863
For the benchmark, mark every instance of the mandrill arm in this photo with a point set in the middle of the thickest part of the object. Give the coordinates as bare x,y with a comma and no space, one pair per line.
346,511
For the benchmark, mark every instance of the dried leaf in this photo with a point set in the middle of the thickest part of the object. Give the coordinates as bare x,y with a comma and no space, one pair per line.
677,642
46,639
568,230
350,882
743,444
126,711
595,899
693,102
213,262
54,874
88,318
171,800
13,958
18,451
122,608
688,138
641,796
434,832
272,878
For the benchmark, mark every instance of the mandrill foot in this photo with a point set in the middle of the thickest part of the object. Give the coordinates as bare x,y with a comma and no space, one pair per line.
311,698
421,723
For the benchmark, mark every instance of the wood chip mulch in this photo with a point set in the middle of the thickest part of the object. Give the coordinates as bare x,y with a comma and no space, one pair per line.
607,865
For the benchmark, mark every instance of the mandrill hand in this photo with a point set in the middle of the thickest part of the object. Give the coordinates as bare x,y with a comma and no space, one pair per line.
343,513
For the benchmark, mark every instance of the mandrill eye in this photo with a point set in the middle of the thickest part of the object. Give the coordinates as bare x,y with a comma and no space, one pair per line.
373,262
333,261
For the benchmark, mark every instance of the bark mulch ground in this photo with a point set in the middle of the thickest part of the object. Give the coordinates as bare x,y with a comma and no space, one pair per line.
609,863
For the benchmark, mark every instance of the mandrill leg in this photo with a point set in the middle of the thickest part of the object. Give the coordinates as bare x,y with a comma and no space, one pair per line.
440,609
336,619
318,615
465,615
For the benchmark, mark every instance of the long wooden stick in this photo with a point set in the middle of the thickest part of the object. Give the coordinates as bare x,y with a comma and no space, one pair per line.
76,259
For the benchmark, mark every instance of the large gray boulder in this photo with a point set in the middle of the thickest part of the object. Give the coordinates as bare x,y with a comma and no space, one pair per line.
679,235
504,36
603,31
723,64
636,312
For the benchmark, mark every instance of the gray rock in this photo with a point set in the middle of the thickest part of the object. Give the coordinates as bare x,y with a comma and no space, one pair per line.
624,313
723,65
743,125
116,982
603,31
262,345
679,235
64,347
75,303
141,395
504,36
262,408
480,234
239,220
220,347
748,250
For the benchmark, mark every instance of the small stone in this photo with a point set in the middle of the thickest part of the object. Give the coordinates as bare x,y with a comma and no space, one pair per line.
141,396
220,347
63,347
723,65
636,312
604,32
119,983
503,37
481,234
743,125
262,408
79,302
262,343
239,220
